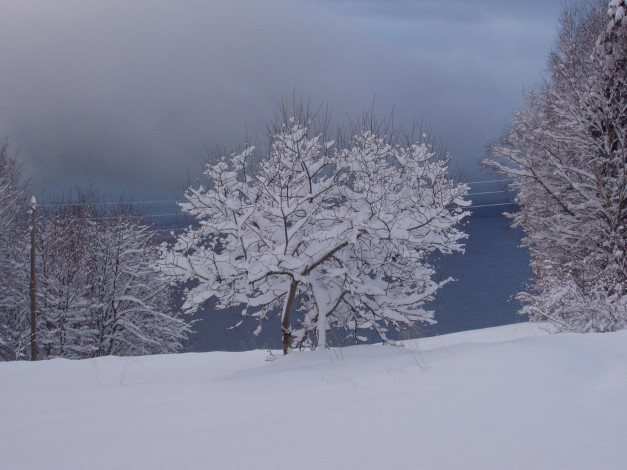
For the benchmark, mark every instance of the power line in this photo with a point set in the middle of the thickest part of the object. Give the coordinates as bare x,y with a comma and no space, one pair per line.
489,192
492,205
181,214
179,201
168,230
490,181
118,217
63,204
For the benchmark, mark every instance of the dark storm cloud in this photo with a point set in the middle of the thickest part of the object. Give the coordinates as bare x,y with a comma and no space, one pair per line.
127,94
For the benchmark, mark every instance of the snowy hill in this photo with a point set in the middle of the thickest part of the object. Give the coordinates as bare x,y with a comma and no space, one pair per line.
502,398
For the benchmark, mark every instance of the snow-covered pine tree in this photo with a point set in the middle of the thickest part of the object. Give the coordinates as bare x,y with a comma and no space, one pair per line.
567,152
343,234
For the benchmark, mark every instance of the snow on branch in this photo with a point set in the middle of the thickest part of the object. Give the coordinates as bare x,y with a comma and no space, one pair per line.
341,234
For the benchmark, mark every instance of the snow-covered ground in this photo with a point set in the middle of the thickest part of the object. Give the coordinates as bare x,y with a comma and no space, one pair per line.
502,398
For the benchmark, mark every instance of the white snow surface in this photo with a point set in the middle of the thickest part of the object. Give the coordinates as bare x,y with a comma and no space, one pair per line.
510,397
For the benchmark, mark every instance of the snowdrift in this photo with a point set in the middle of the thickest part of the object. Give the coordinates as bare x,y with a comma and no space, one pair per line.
510,397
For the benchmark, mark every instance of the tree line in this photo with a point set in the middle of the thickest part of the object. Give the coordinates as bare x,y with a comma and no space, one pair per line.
98,289
567,152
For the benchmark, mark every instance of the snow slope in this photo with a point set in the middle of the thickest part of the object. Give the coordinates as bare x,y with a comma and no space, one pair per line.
504,398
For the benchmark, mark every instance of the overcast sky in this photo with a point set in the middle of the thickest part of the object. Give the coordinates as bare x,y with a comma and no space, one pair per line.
126,94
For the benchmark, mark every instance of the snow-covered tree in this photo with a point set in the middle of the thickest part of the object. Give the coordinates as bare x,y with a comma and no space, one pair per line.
11,187
64,246
340,234
14,326
101,292
130,307
567,152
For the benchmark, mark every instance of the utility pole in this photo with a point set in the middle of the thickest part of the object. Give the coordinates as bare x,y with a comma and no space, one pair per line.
33,284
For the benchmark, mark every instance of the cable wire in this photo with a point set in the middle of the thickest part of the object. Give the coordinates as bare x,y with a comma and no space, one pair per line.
178,201
489,192
493,205
490,181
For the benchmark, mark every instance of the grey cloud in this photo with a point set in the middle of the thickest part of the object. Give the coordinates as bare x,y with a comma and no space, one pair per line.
128,93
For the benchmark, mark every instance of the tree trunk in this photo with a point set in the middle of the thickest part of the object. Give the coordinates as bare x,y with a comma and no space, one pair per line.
322,331
287,317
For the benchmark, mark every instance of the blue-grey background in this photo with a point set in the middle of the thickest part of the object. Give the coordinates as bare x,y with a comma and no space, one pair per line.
128,97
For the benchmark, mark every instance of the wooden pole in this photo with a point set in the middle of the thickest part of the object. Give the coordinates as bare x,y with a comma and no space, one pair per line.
33,285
